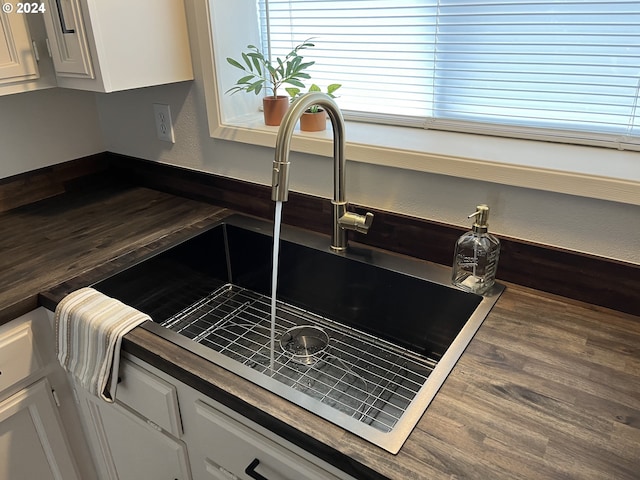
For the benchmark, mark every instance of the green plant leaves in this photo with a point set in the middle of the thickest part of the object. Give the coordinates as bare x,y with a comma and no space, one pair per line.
245,79
294,81
245,57
293,91
256,87
289,70
235,63
332,88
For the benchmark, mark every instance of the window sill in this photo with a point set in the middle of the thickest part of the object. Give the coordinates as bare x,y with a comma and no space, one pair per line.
591,172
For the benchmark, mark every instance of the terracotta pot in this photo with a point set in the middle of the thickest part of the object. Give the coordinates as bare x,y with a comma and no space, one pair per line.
313,122
274,109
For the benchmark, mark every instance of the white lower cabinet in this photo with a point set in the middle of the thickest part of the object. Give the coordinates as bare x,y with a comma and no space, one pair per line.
32,442
40,435
138,436
130,447
224,445
161,429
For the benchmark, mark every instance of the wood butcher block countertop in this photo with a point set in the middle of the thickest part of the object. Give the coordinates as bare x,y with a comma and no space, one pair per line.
549,388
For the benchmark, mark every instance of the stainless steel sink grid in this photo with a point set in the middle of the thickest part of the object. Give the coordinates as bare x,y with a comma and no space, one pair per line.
361,376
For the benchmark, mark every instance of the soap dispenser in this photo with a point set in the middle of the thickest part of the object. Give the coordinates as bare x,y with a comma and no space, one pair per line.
476,256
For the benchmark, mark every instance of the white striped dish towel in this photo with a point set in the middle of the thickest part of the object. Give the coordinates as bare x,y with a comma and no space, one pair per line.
89,330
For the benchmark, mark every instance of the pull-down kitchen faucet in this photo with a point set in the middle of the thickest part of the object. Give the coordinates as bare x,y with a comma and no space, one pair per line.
342,219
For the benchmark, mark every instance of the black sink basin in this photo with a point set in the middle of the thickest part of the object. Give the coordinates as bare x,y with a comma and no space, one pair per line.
404,305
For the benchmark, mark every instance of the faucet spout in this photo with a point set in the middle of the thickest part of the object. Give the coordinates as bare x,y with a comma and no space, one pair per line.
342,219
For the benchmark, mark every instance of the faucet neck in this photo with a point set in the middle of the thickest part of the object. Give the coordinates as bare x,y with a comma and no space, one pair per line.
280,176
342,220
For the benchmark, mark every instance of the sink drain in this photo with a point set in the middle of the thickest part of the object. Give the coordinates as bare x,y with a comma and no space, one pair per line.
304,344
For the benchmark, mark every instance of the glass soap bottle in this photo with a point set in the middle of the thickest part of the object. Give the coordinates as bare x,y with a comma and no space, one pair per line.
475,260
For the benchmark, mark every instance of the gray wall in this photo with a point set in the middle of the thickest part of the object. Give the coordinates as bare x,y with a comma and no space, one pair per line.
603,228
45,127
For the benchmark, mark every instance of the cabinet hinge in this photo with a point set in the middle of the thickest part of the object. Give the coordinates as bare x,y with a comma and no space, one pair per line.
55,397
36,54
227,473
215,470
155,426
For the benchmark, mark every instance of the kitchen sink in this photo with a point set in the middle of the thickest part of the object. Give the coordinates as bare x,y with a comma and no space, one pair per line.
395,325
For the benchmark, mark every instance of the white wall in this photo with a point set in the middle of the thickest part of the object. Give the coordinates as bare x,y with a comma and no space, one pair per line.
45,127
597,227
587,225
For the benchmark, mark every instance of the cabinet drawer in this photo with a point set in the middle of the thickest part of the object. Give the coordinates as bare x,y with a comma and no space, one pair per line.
18,358
150,396
230,447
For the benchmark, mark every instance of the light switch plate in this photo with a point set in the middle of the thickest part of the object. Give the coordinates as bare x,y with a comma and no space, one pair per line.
164,125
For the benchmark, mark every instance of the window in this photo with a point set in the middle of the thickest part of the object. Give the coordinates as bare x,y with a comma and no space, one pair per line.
224,28
566,71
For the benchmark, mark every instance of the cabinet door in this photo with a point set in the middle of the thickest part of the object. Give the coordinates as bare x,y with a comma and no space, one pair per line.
17,61
113,45
19,359
68,39
32,444
150,396
132,448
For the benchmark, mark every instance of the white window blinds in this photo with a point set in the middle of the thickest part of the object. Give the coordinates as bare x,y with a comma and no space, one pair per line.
555,70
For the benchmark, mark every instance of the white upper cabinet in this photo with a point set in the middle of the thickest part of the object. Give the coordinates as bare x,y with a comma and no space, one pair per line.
17,60
113,45
24,61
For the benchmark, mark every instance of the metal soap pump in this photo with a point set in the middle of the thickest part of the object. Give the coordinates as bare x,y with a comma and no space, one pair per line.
475,260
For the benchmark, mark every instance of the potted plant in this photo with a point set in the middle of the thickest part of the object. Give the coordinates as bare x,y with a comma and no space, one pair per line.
314,119
261,72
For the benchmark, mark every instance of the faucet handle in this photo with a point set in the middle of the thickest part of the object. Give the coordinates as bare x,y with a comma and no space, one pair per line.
368,221
355,221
